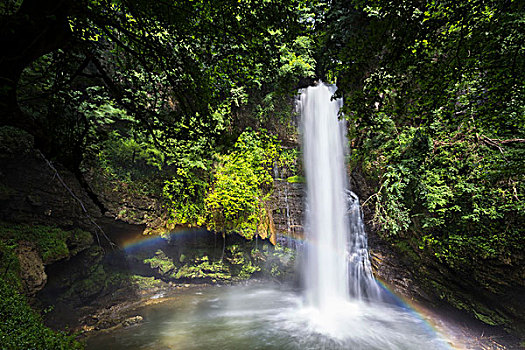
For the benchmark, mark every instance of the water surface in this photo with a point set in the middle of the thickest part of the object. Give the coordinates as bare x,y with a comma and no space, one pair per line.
265,317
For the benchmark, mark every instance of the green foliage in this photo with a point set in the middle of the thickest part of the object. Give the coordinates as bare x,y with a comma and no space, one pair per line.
161,262
434,99
185,194
229,195
50,241
296,179
145,283
238,258
413,60
242,182
9,7
202,267
236,264
176,73
22,328
288,162
9,265
457,192
297,59
131,160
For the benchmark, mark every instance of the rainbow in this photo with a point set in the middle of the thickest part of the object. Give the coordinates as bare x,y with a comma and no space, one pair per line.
137,242
418,311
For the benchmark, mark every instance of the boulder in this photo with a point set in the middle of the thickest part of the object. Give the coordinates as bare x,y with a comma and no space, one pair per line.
32,272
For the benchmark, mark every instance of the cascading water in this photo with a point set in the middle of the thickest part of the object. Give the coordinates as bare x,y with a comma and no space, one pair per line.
337,264
362,282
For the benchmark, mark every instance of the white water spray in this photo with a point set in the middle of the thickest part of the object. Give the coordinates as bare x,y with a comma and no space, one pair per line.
337,263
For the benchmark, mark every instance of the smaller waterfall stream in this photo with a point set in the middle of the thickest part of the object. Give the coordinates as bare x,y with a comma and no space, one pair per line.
361,280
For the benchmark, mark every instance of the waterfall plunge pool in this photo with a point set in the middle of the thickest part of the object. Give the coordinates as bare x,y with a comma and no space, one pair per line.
269,317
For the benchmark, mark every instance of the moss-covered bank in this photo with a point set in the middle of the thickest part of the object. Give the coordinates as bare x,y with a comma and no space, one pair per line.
24,252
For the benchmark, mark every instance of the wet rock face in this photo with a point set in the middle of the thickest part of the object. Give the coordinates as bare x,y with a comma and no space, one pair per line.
490,293
287,208
31,191
32,271
121,203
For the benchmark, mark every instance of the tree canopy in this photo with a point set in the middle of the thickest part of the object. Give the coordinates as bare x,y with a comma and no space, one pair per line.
180,69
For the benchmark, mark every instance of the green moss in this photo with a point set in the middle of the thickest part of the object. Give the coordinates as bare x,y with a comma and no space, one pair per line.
98,281
296,179
78,240
241,264
145,283
9,265
52,242
161,262
492,319
88,286
462,301
248,270
22,328
202,268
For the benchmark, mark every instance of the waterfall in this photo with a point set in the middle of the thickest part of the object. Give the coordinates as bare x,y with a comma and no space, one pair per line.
337,265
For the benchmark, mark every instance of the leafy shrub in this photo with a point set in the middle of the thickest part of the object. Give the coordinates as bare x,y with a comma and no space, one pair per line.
130,160
185,196
22,328
461,195
9,265
242,183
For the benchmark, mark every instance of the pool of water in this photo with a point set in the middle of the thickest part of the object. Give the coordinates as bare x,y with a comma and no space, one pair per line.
256,317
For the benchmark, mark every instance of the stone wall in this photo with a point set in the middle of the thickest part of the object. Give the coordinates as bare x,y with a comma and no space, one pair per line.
287,209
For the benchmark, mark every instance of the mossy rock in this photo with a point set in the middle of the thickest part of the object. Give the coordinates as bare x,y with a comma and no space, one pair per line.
14,142
88,288
145,283
161,263
296,179
78,241
52,242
